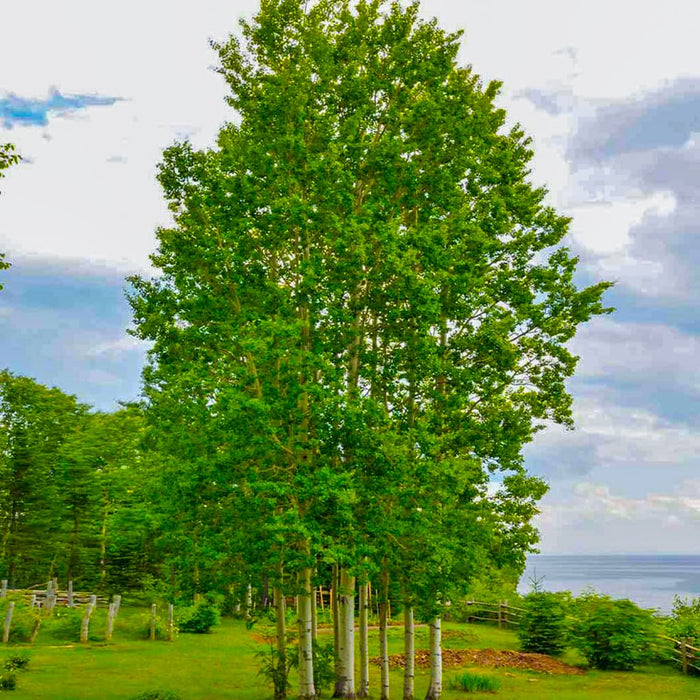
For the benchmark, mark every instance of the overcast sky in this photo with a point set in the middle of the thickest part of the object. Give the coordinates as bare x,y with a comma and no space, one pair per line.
91,93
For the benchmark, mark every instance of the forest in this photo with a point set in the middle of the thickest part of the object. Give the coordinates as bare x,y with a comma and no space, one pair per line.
360,319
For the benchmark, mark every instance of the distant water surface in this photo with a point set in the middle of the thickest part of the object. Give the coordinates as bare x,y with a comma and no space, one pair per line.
649,580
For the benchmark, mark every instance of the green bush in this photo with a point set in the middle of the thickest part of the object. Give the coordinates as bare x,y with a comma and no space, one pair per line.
684,620
64,624
8,681
543,627
199,618
475,683
614,634
157,695
24,621
16,662
162,628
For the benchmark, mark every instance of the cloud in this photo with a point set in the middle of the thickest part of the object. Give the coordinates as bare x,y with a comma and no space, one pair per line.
24,111
663,118
554,102
594,518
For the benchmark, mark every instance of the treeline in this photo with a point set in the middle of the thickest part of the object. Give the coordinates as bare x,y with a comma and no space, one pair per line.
73,491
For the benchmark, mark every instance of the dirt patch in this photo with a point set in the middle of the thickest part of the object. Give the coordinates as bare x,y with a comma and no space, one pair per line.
495,658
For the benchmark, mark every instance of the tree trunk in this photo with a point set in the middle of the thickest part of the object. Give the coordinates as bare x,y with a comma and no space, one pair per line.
307,690
435,689
280,678
335,609
383,640
345,681
363,691
314,615
409,653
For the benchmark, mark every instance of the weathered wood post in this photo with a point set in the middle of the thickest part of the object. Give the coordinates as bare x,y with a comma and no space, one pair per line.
71,602
684,654
93,601
171,622
85,627
152,635
111,614
506,620
3,588
500,615
8,622
32,601
117,603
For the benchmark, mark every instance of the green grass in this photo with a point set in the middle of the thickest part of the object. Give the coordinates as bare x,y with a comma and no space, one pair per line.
222,665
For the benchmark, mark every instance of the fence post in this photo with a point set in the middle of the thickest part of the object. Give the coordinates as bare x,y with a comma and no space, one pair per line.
171,621
117,602
110,622
506,620
684,654
85,627
3,588
32,601
71,604
152,635
500,614
8,622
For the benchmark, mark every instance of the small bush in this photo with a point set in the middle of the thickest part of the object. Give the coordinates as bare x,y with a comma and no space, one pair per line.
685,619
475,683
157,695
198,619
543,628
614,634
64,625
8,681
16,662
162,629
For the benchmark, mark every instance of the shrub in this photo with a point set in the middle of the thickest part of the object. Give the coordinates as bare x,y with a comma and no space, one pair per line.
8,681
199,618
475,683
64,625
614,634
16,662
685,619
543,628
162,628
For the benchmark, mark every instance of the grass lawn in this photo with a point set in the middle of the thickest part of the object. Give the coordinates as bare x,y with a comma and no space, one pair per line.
222,665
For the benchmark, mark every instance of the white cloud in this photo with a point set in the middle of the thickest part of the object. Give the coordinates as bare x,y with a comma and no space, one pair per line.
594,519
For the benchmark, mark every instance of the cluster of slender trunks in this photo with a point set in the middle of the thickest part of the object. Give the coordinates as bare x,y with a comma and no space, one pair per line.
351,682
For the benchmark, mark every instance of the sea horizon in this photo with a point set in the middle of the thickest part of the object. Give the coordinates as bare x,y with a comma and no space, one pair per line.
650,580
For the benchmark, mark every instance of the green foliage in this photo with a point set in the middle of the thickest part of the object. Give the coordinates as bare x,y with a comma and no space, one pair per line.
543,625
199,618
275,669
64,625
8,681
324,665
475,683
17,661
157,695
613,634
684,620
24,619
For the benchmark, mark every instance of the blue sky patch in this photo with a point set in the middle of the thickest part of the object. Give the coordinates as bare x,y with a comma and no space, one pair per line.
26,111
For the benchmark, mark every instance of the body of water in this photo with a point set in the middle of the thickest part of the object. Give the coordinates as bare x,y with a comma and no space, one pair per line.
649,580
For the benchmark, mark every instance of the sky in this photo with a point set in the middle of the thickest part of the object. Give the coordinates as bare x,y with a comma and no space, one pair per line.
91,94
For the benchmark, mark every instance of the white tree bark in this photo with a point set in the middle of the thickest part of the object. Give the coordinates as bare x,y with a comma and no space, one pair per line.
409,653
307,690
363,691
435,689
345,682
383,640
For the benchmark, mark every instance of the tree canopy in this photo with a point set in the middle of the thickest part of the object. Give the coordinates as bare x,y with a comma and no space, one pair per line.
364,304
